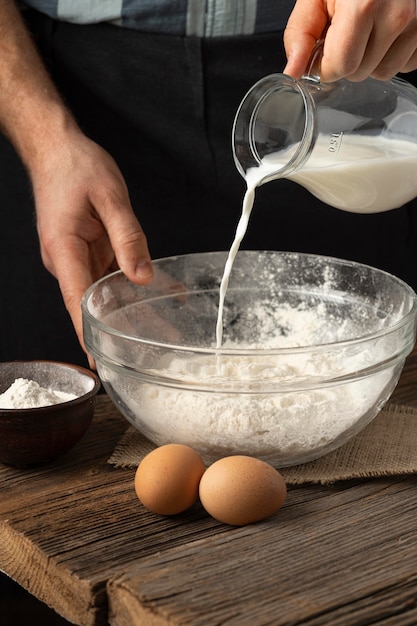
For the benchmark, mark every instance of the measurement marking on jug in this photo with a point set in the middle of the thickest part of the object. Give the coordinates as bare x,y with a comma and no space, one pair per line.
335,142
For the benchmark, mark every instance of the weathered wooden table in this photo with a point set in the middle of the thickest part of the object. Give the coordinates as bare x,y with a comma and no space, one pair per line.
74,534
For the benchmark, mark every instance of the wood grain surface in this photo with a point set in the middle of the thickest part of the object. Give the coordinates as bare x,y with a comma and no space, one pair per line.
74,534
342,556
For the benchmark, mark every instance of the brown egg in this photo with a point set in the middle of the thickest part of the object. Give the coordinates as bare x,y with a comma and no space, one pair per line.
240,490
167,479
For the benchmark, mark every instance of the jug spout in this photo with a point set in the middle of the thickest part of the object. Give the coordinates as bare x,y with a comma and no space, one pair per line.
275,119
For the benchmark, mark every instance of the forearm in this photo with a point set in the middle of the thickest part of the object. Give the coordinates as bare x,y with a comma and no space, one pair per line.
32,114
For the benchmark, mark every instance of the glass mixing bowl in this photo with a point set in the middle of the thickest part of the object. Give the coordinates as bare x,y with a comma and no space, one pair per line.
312,349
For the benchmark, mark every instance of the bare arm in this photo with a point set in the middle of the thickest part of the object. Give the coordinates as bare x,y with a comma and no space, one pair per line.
365,37
85,221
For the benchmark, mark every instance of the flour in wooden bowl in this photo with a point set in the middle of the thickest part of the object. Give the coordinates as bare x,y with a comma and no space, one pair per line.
28,394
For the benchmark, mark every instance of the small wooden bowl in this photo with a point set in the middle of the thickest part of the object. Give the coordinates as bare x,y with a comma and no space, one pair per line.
33,436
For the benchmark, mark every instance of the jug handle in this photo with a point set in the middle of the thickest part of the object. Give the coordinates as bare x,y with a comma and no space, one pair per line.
313,69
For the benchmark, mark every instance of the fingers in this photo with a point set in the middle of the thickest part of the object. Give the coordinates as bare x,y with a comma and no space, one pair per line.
78,263
305,26
129,244
298,52
68,260
411,64
111,203
364,37
400,57
378,41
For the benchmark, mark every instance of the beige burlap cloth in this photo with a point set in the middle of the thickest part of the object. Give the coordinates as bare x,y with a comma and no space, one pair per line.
387,446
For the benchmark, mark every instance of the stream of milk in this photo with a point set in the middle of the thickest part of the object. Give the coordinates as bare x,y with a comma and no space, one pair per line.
240,233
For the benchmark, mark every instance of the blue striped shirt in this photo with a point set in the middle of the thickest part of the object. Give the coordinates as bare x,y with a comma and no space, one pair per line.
201,18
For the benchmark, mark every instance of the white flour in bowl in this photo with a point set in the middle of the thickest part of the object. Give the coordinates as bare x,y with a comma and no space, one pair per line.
28,394
292,422
288,426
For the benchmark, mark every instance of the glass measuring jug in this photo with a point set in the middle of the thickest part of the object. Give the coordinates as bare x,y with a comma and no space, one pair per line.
353,145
